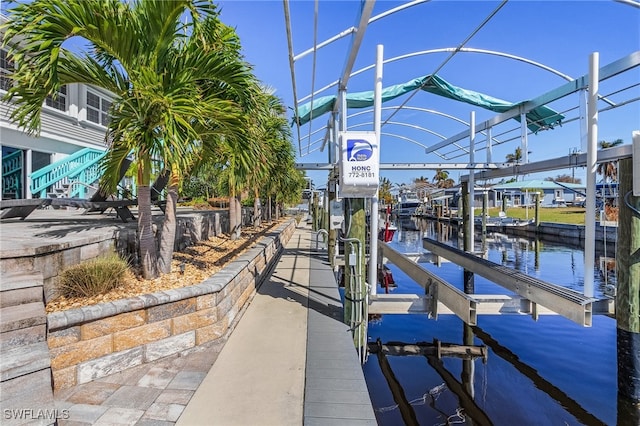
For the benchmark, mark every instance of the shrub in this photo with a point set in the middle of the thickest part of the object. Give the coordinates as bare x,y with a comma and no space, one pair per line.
93,277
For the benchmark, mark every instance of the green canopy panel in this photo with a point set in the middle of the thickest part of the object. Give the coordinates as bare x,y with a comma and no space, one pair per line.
538,118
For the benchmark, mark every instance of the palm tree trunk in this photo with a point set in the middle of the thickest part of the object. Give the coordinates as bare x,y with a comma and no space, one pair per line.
147,241
168,236
232,217
269,209
238,230
257,212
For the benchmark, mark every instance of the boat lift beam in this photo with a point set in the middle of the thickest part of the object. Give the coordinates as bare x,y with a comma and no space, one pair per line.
437,290
566,302
565,162
442,298
415,166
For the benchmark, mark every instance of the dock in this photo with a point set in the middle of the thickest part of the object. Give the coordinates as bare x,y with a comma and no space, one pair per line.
291,360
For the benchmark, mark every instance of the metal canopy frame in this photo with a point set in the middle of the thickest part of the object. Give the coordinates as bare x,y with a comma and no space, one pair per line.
587,106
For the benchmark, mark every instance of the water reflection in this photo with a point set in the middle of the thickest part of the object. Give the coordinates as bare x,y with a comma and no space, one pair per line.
549,371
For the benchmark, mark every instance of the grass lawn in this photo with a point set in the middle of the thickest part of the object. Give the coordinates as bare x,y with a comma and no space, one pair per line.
574,215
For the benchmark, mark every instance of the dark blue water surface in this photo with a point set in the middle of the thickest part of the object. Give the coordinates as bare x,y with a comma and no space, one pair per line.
545,372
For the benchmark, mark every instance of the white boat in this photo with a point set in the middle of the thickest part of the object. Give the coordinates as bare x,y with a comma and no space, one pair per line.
407,206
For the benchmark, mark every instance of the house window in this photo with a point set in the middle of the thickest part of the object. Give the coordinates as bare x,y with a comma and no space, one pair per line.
97,108
60,102
6,68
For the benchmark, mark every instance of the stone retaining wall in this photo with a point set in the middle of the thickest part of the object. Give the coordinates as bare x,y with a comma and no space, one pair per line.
95,341
50,260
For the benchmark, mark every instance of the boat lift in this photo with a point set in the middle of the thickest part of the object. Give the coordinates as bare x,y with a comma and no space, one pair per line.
533,296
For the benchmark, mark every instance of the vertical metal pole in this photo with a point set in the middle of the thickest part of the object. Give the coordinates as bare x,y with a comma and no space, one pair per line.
582,100
472,180
28,170
377,119
592,156
485,210
524,141
489,146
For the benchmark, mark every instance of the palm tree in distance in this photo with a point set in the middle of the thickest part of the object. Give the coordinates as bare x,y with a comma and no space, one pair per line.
385,191
515,158
609,169
442,179
179,86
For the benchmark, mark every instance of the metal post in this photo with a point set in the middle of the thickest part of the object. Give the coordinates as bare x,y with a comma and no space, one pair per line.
582,101
592,156
524,141
377,119
472,183
333,147
485,210
537,211
489,145
26,190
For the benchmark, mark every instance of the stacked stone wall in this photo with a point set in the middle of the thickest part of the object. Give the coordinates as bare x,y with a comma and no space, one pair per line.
92,342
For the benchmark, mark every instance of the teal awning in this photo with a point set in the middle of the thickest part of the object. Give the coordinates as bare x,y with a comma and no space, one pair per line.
538,118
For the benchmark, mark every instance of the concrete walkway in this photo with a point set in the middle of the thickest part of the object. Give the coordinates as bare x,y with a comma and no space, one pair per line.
288,361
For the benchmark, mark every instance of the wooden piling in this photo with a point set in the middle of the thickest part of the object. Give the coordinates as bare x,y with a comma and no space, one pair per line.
333,233
628,292
537,211
356,229
468,281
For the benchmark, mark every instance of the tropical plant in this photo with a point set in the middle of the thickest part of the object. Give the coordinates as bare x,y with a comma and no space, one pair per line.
442,179
422,186
93,277
384,193
276,154
609,169
564,178
514,157
179,85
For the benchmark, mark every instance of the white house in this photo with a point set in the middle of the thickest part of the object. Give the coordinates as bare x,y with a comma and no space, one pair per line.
74,122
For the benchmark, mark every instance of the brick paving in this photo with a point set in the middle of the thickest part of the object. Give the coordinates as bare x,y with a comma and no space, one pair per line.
155,393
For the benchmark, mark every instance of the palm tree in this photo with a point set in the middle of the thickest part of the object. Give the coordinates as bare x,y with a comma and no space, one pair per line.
442,179
514,157
609,169
273,134
176,85
422,185
281,156
385,191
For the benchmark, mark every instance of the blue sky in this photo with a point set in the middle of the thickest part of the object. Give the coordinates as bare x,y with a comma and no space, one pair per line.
558,34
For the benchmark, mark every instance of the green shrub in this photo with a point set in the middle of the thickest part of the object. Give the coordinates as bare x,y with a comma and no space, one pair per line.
93,277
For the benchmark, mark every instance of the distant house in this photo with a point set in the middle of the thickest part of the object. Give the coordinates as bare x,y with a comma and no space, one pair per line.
554,193
451,196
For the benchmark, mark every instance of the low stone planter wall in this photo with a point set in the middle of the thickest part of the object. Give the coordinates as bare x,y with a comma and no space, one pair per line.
85,242
95,341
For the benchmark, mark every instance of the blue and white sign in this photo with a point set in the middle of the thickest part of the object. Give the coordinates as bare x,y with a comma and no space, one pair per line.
359,150
359,165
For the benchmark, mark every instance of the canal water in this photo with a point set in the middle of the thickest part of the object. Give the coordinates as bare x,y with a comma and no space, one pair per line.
545,372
